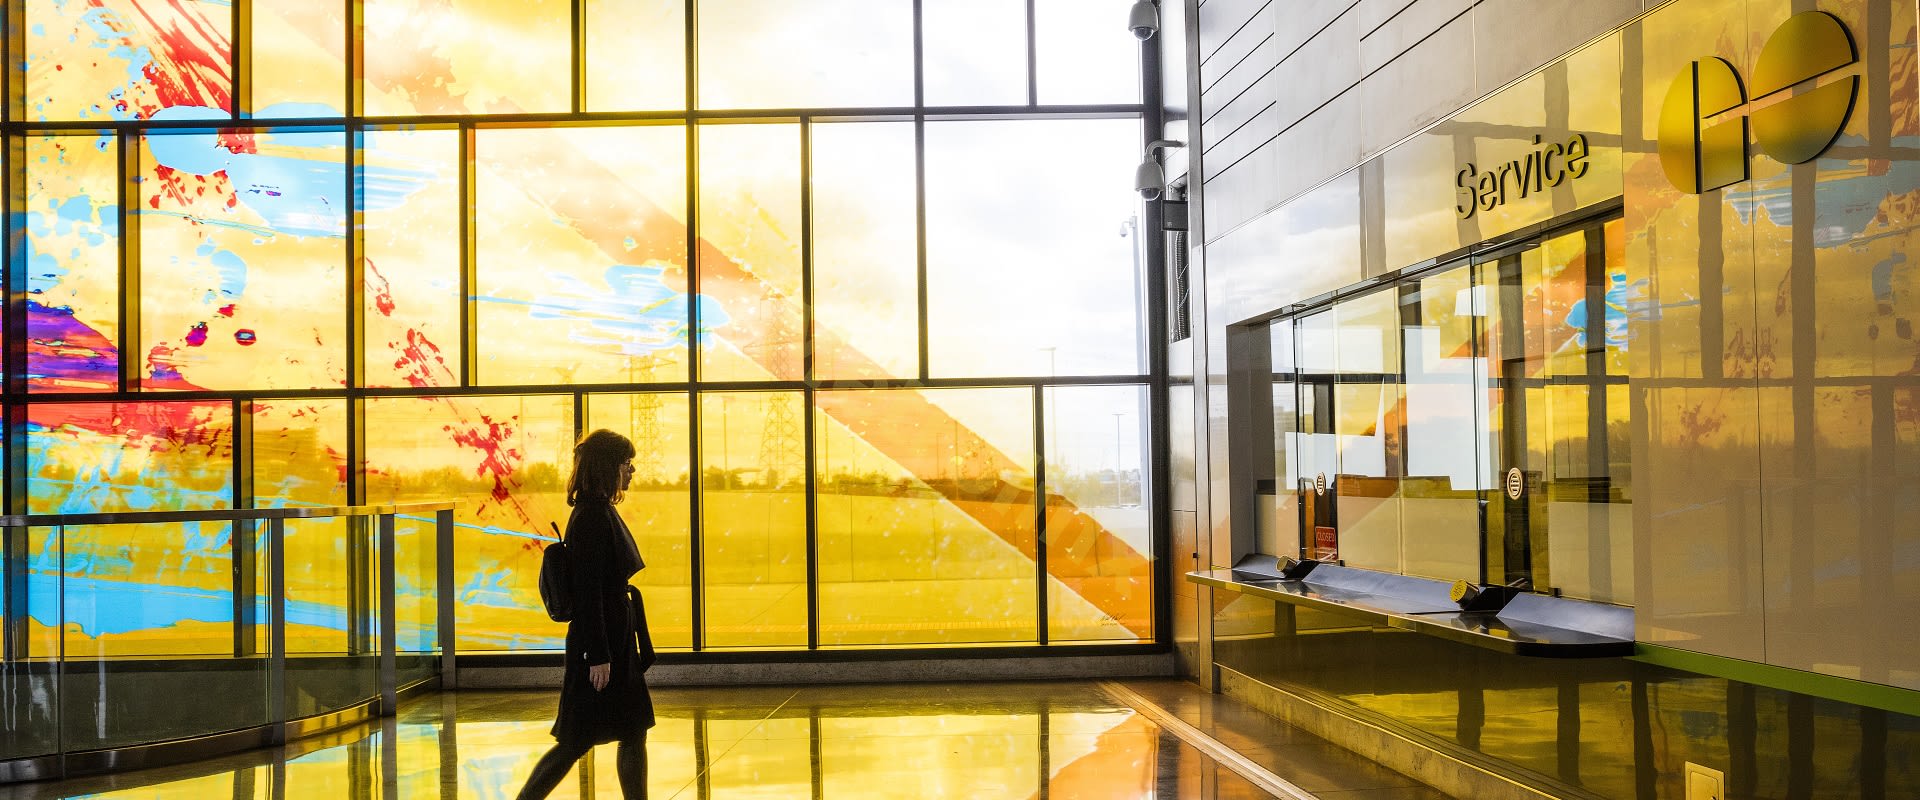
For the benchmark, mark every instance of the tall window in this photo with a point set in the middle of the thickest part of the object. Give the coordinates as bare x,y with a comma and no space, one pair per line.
853,291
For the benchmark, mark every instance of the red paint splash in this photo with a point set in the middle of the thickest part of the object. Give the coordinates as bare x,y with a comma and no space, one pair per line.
238,141
226,310
191,54
159,426
421,364
498,459
379,290
197,336
187,189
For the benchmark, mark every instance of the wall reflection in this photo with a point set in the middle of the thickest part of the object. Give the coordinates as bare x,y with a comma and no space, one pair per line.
1577,727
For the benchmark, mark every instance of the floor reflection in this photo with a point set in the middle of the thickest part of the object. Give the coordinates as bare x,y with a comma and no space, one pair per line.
1032,740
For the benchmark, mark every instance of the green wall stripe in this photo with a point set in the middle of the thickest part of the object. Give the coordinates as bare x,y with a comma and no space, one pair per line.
1845,690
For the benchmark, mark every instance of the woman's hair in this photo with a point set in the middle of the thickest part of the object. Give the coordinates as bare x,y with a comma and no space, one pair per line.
596,467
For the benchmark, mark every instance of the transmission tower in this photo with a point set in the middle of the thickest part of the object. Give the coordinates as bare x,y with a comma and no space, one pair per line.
782,442
645,424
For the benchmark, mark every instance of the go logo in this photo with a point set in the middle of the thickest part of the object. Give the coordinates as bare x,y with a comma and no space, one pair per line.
1703,124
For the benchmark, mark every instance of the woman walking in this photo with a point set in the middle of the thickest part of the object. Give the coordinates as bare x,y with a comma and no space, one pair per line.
603,697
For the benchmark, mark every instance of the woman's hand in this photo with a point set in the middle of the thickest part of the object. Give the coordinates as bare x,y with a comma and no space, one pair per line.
599,674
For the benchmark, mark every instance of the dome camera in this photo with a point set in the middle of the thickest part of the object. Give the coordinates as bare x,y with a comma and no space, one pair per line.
1143,20
1148,180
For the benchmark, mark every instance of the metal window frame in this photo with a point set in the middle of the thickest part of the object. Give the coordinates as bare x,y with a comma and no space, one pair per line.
354,123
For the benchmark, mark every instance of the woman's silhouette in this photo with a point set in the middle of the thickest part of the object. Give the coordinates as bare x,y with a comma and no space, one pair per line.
603,697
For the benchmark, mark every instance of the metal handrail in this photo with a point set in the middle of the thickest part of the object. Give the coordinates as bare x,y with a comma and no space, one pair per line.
279,726
216,515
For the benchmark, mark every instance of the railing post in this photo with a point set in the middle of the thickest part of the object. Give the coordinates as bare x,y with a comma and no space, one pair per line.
13,631
389,617
444,594
246,583
277,633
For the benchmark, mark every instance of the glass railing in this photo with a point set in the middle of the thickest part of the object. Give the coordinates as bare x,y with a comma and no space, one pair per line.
140,638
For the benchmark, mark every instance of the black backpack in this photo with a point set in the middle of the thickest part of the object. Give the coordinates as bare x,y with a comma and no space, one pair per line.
556,580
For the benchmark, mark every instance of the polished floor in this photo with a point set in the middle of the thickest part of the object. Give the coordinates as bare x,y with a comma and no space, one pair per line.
1134,739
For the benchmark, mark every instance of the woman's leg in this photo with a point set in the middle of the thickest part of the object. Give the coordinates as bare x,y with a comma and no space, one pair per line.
633,767
551,770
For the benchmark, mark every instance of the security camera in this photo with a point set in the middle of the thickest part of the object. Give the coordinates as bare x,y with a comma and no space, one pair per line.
1148,180
1143,20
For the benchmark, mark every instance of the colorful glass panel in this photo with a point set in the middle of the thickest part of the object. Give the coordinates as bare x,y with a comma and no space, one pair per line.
866,285
926,516
72,237
657,507
300,460
1099,515
750,251
504,459
410,256
161,589
242,251
753,518
821,54
295,68
635,55
445,56
104,60
582,246
1025,273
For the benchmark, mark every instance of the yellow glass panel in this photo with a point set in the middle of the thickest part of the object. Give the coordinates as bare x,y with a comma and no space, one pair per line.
826,53
300,459
295,49
866,298
72,240
582,250
107,60
410,221
753,518
467,56
505,461
242,248
133,589
926,523
750,221
636,58
657,508
1099,515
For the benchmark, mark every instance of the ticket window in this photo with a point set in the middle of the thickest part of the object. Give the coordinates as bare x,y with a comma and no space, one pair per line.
1471,422
1554,335
1316,452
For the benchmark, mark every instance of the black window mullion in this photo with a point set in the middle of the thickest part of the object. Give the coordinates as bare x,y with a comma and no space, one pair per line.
1040,511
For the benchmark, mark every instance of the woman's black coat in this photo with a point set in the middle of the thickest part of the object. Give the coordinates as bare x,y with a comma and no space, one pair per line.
609,627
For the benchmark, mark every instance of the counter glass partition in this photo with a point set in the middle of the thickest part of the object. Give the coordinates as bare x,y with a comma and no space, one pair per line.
1467,422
